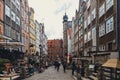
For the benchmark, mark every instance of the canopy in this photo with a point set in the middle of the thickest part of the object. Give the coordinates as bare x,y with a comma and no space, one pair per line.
112,63
5,37
12,44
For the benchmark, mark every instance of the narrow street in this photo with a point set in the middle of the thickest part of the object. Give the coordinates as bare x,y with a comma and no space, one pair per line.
52,74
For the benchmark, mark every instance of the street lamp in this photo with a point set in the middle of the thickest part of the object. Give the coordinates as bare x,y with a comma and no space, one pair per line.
40,47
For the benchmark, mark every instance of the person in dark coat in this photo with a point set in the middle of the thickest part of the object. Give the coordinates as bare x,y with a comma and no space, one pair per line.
57,65
64,64
82,71
73,67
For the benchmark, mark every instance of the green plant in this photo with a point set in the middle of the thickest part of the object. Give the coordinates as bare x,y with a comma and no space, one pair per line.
2,67
2,61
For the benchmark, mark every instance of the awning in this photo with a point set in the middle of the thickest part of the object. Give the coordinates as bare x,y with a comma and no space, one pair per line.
112,63
11,44
5,37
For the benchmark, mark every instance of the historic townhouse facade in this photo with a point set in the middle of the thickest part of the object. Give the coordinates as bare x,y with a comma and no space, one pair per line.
20,37
25,25
1,17
45,48
32,31
43,39
96,32
12,20
89,27
69,33
37,24
76,34
55,48
72,40
107,25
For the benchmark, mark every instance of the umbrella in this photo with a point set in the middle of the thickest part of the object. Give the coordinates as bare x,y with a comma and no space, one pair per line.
112,63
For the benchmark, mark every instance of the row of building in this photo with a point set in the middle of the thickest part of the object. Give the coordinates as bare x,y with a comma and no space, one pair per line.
95,34
17,22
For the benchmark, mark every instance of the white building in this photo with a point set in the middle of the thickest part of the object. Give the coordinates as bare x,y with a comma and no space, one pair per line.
69,38
72,42
37,24
43,39
45,44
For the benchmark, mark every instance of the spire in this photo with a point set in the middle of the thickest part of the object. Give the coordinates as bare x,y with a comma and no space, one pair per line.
65,18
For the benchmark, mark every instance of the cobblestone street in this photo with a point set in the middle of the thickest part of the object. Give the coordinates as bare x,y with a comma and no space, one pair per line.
52,74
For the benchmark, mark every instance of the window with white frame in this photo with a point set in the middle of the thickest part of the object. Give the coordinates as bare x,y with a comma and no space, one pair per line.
102,48
102,30
17,36
12,15
93,14
7,11
18,4
7,30
13,1
80,32
85,24
85,38
94,36
102,10
88,4
89,20
109,25
109,3
89,36
18,21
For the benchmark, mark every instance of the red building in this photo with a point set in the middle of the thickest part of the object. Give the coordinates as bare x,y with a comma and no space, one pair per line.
25,25
55,48
1,16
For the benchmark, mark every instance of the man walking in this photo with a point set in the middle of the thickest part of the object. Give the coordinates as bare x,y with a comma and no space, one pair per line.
64,65
73,67
57,65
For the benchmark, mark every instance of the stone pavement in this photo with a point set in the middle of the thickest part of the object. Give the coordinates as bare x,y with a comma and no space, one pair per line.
52,74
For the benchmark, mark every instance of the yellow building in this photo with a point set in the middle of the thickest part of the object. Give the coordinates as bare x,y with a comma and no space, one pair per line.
32,29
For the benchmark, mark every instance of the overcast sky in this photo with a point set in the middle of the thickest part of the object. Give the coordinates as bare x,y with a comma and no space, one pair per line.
50,12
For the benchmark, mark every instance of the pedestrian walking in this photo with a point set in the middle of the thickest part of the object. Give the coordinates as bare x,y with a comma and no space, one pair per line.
82,71
57,65
78,69
31,69
73,67
46,64
64,64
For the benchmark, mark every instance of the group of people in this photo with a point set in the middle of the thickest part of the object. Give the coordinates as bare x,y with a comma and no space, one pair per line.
74,67
57,64
77,68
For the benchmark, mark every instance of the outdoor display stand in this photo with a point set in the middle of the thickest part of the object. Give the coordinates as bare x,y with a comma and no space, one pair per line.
9,77
111,70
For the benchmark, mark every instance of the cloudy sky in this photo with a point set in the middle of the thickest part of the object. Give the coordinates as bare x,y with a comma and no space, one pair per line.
50,12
